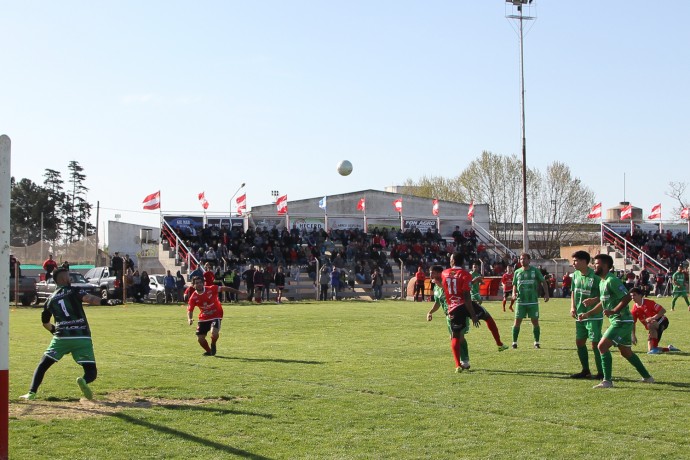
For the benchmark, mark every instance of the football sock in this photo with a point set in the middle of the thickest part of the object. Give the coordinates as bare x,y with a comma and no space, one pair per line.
665,349
504,305
654,343
516,332
606,365
40,372
491,324
455,348
464,351
214,340
635,361
90,372
597,359
537,333
584,357
204,345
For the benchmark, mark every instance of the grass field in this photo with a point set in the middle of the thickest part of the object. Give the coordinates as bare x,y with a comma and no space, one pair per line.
350,380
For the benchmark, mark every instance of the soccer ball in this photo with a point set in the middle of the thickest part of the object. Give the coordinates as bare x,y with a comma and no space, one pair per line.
344,168
658,295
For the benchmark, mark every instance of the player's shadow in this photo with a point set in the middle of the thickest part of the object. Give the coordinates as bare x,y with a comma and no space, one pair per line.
189,437
270,360
526,373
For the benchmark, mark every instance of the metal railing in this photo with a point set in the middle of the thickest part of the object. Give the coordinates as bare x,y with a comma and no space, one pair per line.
485,236
182,252
630,252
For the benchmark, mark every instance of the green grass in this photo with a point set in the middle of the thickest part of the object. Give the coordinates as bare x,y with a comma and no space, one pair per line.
345,380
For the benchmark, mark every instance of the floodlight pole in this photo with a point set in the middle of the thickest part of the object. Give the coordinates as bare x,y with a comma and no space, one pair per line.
234,195
520,17
5,192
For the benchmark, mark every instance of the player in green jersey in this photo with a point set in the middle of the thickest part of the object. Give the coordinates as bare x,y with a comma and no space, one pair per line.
585,285
477,279
71,332
526,282
678,281
614,299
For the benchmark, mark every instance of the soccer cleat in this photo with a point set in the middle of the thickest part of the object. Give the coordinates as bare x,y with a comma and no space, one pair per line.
207,353
514,346
503,347
604,384
30,396
672,348
654,351
213,349
465,364
85,390
582,375
649,379
536,345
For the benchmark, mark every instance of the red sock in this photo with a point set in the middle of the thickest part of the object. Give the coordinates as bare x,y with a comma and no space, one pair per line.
204,345
664,349
654,342
491,324
504,305
455,348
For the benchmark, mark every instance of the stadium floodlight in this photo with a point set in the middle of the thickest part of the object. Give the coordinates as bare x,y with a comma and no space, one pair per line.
515,12
234,195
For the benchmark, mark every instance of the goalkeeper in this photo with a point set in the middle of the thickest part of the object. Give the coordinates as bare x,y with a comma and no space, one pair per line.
71,332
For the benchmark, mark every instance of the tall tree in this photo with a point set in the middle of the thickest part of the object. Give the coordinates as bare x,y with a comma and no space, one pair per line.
54,216
78,209
28,202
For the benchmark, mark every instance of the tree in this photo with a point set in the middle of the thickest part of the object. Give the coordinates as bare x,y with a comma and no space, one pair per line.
77,209
28,202
54,216
677,192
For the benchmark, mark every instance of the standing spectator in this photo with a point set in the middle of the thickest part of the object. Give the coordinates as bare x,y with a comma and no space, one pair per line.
660,279
420,277
136,286
248,277
335,284
14,267
324,277
49,265
229,280
377,284
144,285
179,286
268,280
118,265
279,279
170,286
567,282
258,284
128,263
679,290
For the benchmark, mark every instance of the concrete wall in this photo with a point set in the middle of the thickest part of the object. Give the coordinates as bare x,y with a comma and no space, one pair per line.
126,239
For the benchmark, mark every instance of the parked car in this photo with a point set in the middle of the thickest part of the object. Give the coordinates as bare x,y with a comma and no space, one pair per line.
157,292
109,287
25,288
44,289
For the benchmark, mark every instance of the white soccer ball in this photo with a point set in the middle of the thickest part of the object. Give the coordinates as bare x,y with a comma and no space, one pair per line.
658,295
344,168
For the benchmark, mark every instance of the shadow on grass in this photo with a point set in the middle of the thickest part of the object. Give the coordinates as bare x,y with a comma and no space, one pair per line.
526,373
270,360
189,437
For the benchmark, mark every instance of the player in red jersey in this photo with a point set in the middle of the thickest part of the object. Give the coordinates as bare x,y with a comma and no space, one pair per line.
420,277
653,318
210,312
507,282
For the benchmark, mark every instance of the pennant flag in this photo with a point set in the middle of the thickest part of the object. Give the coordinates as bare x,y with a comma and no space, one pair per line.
241,204
361,206
397,204
685,213
203,201
595,212
470,212
322,203
656,212
281,205
434,208
153,201
626,212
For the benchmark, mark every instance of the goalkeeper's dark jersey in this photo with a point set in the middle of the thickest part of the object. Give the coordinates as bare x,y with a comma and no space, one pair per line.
65,305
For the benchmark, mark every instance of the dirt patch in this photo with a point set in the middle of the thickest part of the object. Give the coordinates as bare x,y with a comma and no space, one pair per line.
112,403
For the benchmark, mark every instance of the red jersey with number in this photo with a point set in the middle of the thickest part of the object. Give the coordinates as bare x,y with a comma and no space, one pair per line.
648,309
208,303
507,281
456,281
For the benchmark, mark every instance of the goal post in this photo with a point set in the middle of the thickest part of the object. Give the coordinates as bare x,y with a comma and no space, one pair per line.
5,176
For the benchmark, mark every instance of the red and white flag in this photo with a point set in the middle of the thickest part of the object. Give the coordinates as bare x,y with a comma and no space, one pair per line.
153,201
626,212
397,204
241,204
595,212
281,205
470,212
362,205
434,208
685,213
656,212
203,201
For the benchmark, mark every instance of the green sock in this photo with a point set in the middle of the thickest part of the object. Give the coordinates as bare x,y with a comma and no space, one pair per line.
464,351
673,304
635,361
584,357
516,332
607,365
597,359
537,332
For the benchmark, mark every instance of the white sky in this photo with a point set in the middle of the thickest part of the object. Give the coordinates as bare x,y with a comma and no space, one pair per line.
188,96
